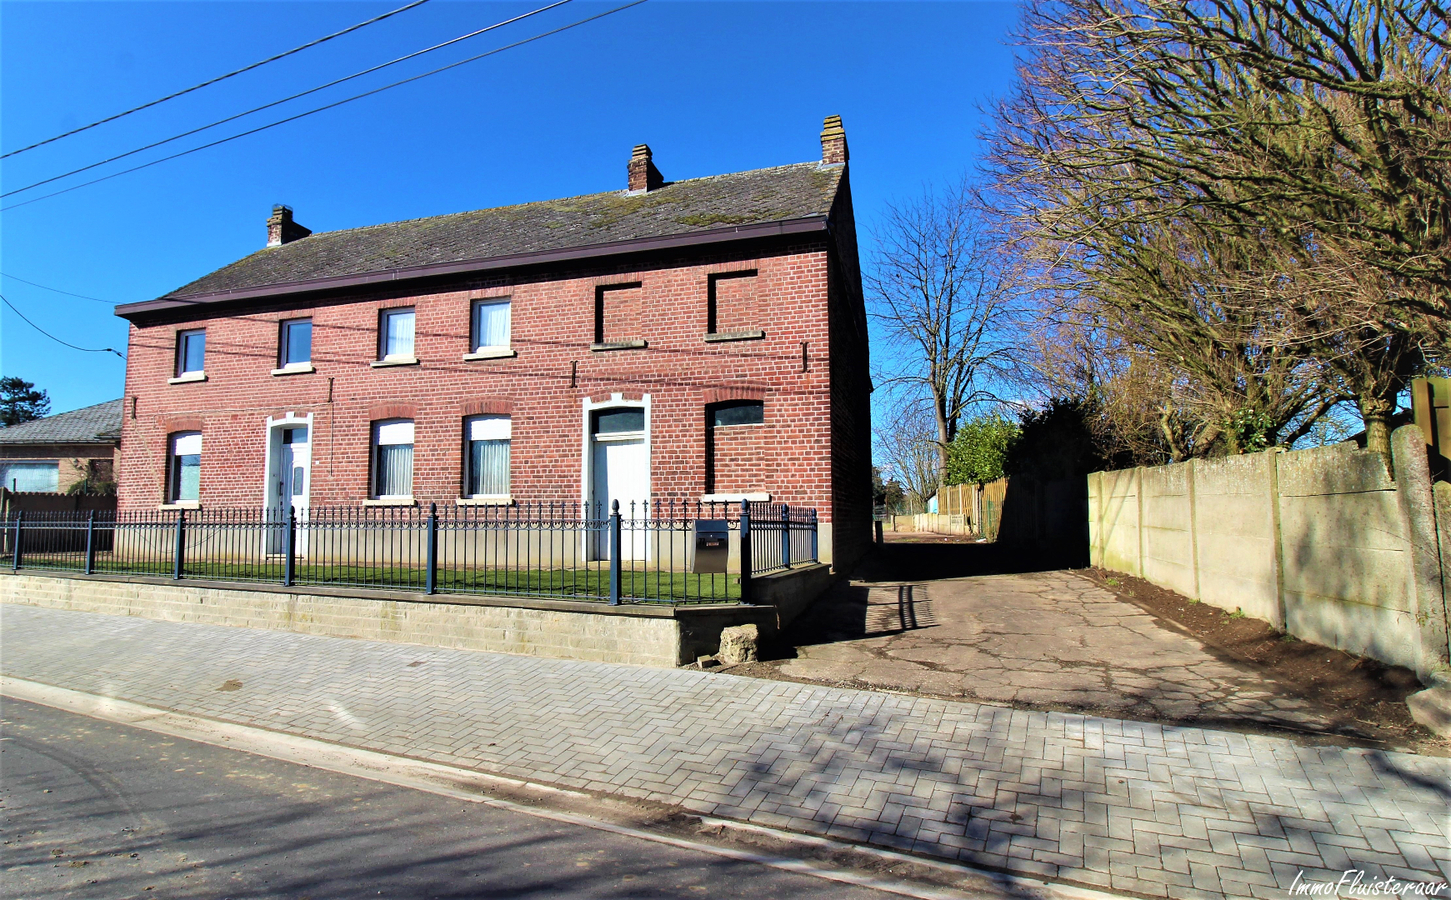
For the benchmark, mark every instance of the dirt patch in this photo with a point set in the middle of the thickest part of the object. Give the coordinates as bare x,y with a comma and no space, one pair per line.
1369,693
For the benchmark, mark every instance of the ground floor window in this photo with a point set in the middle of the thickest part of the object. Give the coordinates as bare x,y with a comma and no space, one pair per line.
488,456
185,467
393,459
31,476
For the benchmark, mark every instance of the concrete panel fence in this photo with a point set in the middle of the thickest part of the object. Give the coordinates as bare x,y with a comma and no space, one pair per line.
1329,544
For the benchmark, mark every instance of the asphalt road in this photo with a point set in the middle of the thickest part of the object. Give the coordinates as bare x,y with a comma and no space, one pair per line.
95,809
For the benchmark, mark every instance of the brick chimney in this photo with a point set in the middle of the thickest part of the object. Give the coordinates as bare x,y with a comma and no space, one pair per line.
833,141
281,229
643,174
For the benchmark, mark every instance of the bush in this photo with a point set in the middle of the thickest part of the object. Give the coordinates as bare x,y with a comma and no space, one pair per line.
980,450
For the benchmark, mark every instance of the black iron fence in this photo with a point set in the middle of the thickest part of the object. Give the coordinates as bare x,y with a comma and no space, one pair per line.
640,553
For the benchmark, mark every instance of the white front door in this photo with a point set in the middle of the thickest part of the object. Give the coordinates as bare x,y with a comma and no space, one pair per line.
620,472
291,482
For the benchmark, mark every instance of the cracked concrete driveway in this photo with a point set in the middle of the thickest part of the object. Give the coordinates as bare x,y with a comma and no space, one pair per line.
1050,639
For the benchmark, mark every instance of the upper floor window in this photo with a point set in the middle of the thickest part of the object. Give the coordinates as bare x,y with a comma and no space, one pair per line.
731,303
488,456
618,313
395,334
738,412
191,348
184,467
295,344
491,324
393,459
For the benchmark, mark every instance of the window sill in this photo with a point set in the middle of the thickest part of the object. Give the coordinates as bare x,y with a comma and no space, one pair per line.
295,369
618,345
187,378
390,501
394,361
720,337
181,504
756,497
491,353
492,500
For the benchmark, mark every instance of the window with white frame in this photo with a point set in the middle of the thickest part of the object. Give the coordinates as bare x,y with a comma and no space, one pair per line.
393,459
488,440
491,324
191,349
184,467
295,348
395,334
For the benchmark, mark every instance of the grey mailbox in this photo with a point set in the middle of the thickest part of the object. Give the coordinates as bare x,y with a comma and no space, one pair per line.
712,546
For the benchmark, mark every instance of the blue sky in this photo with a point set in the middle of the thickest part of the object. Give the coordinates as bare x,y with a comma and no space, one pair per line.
712,87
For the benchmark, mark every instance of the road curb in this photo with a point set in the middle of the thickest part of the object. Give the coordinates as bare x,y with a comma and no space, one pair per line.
481,787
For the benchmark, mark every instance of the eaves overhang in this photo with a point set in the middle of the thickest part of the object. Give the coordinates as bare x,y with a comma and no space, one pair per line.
783,227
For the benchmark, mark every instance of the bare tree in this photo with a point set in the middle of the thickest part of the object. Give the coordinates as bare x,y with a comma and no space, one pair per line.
1277,134
942,293
906,444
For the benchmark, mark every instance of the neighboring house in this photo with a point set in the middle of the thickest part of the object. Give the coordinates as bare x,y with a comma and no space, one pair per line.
672,341
50,455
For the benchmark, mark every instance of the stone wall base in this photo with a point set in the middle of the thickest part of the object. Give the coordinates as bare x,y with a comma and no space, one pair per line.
639,634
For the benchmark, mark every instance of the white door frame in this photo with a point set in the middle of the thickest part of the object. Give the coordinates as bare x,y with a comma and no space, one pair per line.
586,456
272,454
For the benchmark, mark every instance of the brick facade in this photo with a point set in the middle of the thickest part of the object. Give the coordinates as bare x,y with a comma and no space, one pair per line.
808,370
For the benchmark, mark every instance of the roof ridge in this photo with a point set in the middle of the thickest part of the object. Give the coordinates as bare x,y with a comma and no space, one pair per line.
572,197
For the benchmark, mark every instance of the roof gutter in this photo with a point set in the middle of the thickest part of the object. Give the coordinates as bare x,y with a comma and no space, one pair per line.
783,227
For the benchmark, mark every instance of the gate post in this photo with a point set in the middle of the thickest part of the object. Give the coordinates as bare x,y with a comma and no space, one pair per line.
289,565
15,542
179,557
615,553
745,551
785,535
430,585
91,543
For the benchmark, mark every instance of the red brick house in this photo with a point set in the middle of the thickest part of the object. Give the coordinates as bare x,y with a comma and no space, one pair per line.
672,341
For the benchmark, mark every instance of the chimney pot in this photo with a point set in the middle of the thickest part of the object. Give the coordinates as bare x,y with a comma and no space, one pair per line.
643,174
833,141
281,229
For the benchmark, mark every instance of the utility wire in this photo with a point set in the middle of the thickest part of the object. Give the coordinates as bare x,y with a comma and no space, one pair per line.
319,109
56,290
177,137
53,337
197,87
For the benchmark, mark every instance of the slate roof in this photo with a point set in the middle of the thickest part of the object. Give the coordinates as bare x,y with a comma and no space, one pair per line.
783,193
89,425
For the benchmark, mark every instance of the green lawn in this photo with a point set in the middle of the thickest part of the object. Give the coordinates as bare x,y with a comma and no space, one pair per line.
586,583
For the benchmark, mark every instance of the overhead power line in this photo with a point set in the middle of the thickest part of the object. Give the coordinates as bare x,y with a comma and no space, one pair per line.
255,109
56,290
328,106
56,339
197,87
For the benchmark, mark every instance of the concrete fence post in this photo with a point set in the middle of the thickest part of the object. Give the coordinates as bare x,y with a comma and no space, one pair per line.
1189,488
1428,603
1272,459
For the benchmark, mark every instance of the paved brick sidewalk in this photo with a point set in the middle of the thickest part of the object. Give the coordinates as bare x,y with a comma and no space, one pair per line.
1179,812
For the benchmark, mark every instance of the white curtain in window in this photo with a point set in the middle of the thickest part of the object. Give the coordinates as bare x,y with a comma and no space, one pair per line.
399,339
491,324
394,465
489,438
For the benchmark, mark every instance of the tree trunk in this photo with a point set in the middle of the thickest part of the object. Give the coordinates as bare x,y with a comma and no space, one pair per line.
1375,412
944,438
